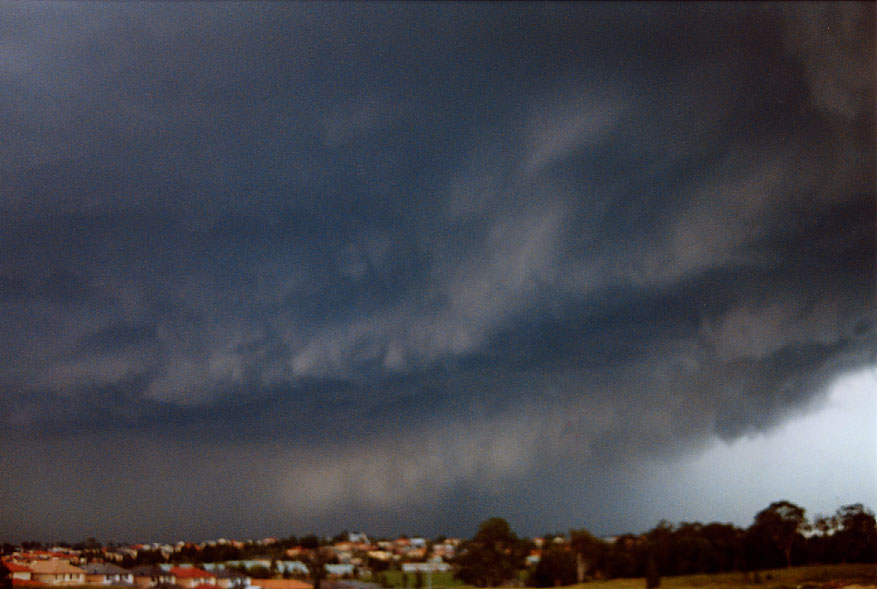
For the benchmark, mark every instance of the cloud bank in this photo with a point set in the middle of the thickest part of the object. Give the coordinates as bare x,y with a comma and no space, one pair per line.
336,263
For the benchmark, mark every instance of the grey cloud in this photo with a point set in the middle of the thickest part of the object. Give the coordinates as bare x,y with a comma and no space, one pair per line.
370,249
757,331
555,136
828,37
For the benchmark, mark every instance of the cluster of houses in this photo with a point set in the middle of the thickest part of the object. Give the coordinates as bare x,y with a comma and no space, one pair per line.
347,558
58,571
358,550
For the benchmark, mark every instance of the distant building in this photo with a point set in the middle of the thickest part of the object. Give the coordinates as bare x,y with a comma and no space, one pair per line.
231,579
382,555
56,572
146,577
425,567
339,570
192,577
357,538
293,567
21,575
100,573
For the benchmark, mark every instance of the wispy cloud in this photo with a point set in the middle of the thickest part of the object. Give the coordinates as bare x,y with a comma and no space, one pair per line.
560,131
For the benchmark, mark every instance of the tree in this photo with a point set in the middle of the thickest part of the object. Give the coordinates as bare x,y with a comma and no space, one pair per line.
726,547
781,523
5,576
260,572
492,556
857,536
317,566
653,579
588,550
662,540
556,567
626,557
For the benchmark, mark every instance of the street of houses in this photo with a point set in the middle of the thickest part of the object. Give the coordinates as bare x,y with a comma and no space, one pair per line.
346,565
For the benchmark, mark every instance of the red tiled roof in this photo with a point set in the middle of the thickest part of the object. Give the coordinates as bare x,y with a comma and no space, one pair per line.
16,568
191,573
46,554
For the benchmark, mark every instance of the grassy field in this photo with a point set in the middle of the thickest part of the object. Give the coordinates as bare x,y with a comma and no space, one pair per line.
397,579
808,576
812,577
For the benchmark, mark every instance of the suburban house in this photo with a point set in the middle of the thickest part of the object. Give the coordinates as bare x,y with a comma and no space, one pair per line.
146,577
191,577
19,571
101,573
247,564
56,572
426,567
292,567
231,579
339,570
21,575
51,554
382,555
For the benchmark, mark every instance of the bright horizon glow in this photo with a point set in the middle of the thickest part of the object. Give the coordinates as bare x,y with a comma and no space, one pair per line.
820,461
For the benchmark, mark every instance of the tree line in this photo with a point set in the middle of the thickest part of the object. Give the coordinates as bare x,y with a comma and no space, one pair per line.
779,536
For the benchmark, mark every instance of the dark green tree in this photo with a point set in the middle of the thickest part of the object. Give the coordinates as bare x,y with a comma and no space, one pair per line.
317,566
589,552
653,578
625,558
260,572
493,556
556,567
856,540
780,524
5,576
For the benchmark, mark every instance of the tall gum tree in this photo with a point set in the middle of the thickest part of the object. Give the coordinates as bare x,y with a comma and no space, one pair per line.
782,523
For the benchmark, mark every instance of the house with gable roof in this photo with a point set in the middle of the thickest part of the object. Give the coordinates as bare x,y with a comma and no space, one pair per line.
102,573
18,571
21,575
146,577
231,579
190,577
56,572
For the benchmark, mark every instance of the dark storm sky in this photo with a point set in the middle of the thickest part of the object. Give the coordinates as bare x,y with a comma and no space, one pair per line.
274,268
